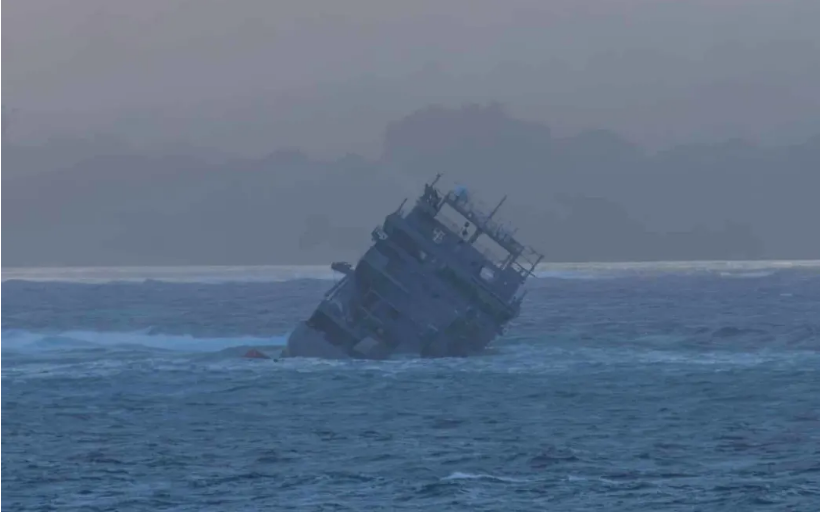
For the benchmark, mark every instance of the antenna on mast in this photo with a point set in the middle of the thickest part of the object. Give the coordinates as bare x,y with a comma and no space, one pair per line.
497,207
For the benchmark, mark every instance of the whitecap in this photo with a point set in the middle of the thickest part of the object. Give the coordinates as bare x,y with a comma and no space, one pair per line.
23,341
458,475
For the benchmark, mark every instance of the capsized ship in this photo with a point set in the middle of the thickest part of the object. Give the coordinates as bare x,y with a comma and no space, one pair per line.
440,280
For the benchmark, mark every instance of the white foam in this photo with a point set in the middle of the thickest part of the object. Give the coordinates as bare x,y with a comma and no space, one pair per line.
205,275
556,274
479,476
33,342
749,275
276,273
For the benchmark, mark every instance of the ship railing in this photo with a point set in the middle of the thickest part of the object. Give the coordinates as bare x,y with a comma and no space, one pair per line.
450,224
521,269
487,253
476,211
526,263
490,255
530,256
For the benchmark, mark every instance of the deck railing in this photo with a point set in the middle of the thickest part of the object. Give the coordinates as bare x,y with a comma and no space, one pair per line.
476,212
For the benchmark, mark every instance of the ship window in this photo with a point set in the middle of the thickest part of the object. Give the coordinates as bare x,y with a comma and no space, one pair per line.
487,273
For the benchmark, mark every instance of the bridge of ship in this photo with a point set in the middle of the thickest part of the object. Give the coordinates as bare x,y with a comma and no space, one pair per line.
503,250
514,254
496,291
505,264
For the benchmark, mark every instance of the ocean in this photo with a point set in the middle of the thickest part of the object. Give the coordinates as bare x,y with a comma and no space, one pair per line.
642,387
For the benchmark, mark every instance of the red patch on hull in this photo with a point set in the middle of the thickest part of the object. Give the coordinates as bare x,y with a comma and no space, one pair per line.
255,354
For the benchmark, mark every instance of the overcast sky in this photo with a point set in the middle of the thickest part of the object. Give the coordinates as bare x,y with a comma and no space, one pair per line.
253,75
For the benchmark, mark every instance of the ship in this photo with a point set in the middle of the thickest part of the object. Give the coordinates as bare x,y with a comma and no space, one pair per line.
441,279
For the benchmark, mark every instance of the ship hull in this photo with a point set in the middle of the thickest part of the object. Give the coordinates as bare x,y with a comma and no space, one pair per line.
424,287
305,341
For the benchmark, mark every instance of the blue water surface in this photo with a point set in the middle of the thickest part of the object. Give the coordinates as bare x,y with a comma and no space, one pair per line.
691,388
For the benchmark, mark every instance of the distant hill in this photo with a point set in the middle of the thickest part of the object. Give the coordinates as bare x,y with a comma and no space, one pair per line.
590,197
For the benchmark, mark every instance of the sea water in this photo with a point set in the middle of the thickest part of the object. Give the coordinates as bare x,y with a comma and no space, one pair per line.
620,387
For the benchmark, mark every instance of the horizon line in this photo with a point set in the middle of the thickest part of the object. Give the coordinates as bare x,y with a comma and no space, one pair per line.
780,261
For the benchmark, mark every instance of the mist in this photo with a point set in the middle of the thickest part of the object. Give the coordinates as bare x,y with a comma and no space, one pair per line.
208,132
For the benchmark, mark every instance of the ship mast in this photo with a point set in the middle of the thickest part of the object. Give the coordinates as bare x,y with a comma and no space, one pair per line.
497,207
480,226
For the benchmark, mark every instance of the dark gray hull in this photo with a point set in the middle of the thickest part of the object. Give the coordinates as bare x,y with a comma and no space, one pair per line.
432,284
307,342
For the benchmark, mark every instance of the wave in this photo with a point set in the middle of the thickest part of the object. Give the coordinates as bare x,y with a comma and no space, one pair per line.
28,342
556,274
749,275
204,275
458,475
279,273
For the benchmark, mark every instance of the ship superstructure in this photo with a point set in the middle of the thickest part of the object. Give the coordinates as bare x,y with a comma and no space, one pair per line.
442,279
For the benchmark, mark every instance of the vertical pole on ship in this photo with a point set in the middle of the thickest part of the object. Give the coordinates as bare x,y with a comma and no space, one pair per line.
497,207
540,257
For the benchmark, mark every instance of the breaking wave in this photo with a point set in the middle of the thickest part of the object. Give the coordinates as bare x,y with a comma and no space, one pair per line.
749,275
556,274
458,475
681,391
28,342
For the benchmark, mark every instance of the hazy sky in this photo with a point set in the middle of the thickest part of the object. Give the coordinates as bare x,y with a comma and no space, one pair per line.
253,75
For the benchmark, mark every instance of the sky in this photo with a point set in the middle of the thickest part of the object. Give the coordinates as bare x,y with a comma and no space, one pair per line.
153,131
250,76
